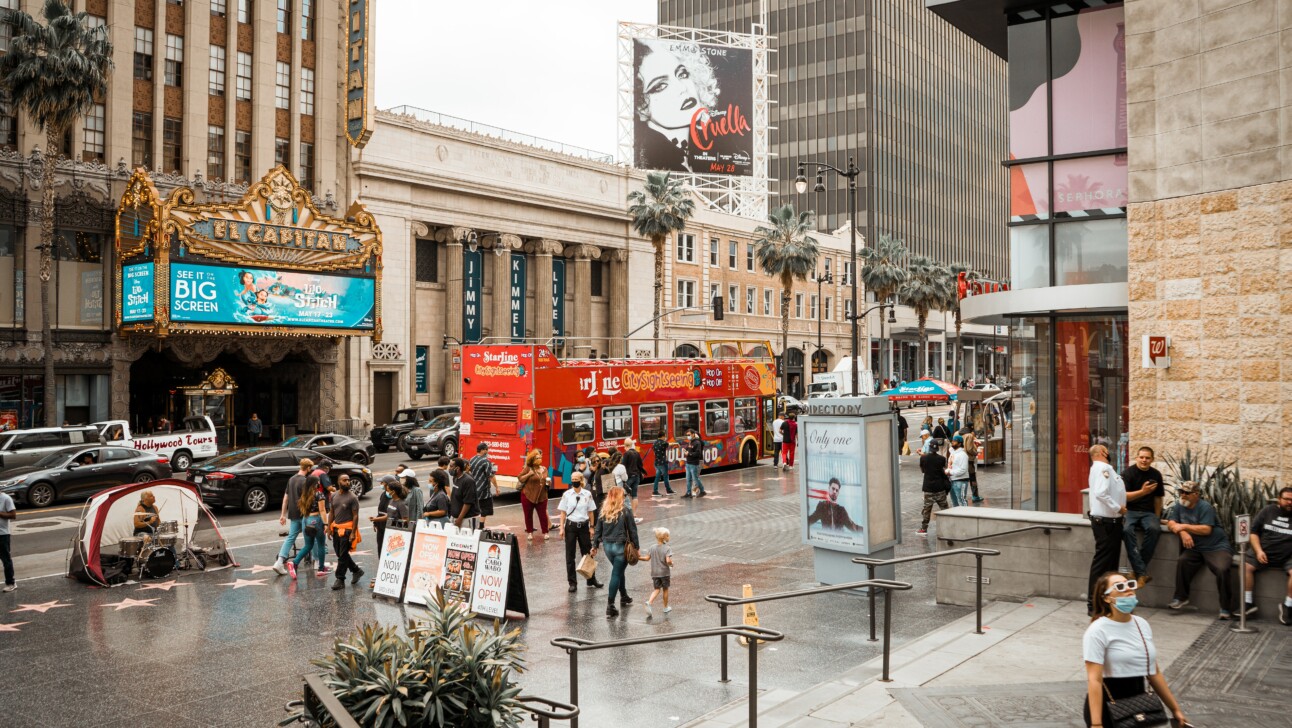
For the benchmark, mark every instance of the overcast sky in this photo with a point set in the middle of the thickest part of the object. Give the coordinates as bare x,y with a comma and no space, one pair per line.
546,68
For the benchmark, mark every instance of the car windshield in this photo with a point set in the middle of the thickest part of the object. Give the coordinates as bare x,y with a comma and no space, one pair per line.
404,416
53,459
227,459
441,422
297,441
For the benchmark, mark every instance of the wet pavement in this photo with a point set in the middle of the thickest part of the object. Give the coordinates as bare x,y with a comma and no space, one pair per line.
228,647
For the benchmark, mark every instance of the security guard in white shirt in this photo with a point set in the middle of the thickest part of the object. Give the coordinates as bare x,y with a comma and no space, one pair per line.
577,509
1107,517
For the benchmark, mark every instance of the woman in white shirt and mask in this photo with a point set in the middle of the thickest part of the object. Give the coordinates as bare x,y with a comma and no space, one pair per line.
1119,653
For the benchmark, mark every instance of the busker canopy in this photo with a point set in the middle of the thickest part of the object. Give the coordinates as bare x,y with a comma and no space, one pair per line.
110,516
923,390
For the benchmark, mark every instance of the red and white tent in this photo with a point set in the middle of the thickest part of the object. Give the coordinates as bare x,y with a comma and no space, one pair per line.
109,517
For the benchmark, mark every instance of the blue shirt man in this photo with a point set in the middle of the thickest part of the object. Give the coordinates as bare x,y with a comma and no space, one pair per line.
1202,541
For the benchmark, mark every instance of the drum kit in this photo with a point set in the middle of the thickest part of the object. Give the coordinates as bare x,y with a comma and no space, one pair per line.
157,556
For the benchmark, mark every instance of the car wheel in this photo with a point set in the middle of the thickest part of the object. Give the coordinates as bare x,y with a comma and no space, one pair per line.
144,477
360,457
450,449
255,500
40,495
358,486
181,461
416,455
401,442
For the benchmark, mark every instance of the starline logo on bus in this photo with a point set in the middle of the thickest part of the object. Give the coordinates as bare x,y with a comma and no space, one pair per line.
503,358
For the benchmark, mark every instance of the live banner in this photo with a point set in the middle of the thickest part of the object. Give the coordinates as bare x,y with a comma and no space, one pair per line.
393,564
426,567
558,298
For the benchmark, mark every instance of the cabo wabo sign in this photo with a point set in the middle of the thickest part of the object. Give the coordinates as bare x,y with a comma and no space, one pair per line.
269,264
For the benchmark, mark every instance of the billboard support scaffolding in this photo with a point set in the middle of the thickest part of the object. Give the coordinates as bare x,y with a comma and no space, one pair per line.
738,194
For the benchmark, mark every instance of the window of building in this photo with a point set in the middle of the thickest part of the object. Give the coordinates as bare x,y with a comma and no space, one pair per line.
576,426
307,19
654,422
172,145
733,252
751,294
174,60
244,76
215,152
812,307
79,278
283,85
284,16
242,156
306,166
826,312
244,11
713,294
7,9
307,91
11,308
717,417
847,309
746,414
616,423
141,140
767,302
825,266
749,257
283,151
427,263
686,417
713,252
143,54
733,298
847,273
597,271
685,248
219,7
8,122
215,83
798,305
1090,251
686,293
95,126
91,21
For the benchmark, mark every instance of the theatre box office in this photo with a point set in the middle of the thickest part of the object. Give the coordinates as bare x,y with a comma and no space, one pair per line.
266,288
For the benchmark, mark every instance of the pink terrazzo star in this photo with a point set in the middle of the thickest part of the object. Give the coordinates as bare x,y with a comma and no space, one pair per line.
42,608
256,569
239,583
163,585
127,603
12,627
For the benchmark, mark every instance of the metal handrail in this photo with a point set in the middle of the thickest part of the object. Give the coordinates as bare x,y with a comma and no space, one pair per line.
871,564
319,699
574,645
1047,530
887,585
546,710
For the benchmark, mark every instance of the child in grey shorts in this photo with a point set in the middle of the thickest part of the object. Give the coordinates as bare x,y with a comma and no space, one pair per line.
660,557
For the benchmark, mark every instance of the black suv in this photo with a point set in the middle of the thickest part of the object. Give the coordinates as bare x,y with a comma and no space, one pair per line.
385,437
437,437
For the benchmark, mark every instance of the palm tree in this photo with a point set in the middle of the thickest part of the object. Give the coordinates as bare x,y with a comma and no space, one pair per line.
883,273
658,210
54,72
953,305
786,251
927,288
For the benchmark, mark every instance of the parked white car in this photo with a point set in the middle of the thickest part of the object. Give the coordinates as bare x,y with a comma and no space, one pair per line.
194,439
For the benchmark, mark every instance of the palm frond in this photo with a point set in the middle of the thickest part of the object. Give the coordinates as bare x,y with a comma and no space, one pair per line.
55,71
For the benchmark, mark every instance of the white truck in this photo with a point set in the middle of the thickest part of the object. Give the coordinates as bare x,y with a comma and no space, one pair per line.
193,439
838,383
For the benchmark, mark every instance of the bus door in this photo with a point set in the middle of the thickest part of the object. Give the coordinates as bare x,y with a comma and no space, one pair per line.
769,416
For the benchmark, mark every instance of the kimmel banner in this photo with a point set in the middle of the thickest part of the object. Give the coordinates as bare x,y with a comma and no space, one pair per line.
692,105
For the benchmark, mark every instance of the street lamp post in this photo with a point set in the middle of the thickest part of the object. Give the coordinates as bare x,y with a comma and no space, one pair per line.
851,174
892,319
820,309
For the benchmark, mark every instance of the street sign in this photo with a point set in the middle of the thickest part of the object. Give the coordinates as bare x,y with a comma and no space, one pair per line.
1243,529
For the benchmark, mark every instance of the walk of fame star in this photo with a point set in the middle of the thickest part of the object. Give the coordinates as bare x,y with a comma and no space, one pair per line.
256,569
128,603
669,505
239,583
12,627
42,608
163,585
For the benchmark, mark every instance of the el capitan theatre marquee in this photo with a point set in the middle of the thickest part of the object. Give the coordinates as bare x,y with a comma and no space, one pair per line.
269,264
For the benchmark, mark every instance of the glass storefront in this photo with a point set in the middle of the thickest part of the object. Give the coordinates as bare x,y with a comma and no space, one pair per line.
1071,392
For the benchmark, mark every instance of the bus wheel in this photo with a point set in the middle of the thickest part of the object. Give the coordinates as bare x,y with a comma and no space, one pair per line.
748,456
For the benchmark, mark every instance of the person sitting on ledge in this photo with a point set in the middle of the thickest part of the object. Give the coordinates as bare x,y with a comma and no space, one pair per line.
1202,540
1272,549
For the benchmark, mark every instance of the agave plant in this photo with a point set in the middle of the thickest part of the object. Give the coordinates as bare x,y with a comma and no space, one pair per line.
444,671
1223,486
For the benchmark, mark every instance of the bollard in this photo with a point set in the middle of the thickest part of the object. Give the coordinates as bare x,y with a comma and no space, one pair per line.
978,604
722,611
1242,627
753,683
870,576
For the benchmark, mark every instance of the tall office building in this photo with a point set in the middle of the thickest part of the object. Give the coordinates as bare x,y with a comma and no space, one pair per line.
919,105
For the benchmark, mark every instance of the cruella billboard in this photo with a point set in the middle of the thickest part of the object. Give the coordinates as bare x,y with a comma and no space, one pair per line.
692,105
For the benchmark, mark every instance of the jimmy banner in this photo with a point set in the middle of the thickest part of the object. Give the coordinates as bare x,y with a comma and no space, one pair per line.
243,295
692,106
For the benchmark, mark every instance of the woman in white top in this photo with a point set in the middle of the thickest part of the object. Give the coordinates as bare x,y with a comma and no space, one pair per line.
1119,652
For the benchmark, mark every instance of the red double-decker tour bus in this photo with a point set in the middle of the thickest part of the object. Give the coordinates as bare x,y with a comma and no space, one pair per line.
521,397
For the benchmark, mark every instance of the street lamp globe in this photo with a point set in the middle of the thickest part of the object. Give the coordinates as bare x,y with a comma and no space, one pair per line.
800,182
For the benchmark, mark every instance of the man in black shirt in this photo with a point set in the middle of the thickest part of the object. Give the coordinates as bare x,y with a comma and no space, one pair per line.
936,484
632,462
1272,549
462,504
1143,513
694,450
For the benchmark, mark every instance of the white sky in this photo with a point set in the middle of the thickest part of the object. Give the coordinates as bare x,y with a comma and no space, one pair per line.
541,67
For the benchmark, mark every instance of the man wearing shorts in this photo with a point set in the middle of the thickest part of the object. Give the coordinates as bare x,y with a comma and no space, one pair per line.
1272,549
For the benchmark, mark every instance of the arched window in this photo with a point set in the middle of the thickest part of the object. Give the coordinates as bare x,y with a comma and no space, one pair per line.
687,351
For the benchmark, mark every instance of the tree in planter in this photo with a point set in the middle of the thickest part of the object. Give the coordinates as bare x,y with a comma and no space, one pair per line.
660,209
786,251
54,72
445,672
927,288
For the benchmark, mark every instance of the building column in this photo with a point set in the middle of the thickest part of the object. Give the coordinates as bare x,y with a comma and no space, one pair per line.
500,320
580,319
451,238
542,251
618,323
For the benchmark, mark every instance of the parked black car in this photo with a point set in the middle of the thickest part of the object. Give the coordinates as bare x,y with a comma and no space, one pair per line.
256,478
437,437
80,471
337,447
385,437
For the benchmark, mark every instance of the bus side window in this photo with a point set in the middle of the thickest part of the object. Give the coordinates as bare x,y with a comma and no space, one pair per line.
616,422
746,414
576,426
654,419
686,416
717,417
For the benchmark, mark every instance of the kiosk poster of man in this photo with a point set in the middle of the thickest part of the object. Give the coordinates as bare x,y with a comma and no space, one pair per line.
692,106
237,295
834,494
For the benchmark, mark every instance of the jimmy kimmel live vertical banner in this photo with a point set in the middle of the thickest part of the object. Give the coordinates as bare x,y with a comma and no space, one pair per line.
558,298
516,286
472,283
692,107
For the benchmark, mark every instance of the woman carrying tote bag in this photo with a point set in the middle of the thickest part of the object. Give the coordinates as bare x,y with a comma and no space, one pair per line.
1120,657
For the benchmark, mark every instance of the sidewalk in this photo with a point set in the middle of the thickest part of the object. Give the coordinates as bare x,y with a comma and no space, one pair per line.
1026,670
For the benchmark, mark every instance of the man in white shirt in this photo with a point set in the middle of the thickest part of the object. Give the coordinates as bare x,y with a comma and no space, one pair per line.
1107,515
958,472
578,514
778,439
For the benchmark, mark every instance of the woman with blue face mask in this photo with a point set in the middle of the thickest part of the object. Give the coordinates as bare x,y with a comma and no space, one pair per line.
1119,653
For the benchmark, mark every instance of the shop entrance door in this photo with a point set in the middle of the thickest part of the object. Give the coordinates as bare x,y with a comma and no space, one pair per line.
383,394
